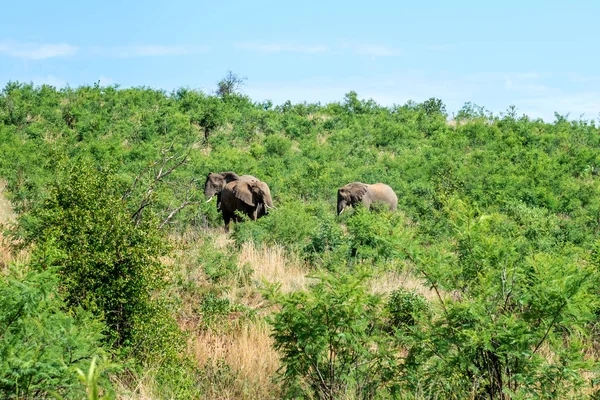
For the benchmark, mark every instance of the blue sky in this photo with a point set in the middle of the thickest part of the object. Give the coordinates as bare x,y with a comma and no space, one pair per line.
541,56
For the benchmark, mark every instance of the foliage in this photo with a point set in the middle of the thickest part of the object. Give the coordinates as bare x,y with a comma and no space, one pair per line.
515,329
406,308
498,214
331,340
42,344
108,264
230,84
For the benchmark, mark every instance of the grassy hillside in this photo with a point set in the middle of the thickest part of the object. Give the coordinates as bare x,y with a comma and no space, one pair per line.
483,284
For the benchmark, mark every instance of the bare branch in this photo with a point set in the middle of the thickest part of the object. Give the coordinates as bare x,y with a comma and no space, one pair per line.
160,170
175,211
185,203
136,181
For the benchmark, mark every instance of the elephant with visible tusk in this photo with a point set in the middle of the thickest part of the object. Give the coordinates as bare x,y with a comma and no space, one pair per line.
252,198
358,192
215,182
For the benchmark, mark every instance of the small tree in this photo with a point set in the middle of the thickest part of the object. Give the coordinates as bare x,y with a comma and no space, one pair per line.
332,342
434,106
230,84
40,342
109,263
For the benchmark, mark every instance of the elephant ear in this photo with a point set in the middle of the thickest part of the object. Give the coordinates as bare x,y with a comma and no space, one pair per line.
216,179
229,176
357,191
243,192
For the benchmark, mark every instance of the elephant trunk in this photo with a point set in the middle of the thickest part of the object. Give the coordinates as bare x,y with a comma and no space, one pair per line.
341,203
341,207
267,196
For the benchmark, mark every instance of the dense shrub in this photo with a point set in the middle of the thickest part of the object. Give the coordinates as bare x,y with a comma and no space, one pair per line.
108,264
42,344
332,342
406,307
498,215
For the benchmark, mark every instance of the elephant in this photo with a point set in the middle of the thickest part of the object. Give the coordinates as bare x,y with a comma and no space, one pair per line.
216,181
367,194
252,198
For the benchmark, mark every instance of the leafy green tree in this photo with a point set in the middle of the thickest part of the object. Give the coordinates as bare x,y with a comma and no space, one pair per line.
434,106
230,84
108,263
332,342
514,329
41,344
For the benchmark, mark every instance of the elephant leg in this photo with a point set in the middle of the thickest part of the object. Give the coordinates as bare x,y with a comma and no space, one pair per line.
226,220
367,204
218,201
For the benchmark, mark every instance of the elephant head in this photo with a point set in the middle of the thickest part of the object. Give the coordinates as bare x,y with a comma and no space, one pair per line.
350,194
215,182
256,195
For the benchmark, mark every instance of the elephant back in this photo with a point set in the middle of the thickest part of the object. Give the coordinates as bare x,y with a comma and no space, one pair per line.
248,178
384,193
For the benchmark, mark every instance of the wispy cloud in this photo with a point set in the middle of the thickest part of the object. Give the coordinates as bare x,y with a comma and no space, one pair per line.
145,50
36,51
362,49
40,51
105,81
373,49
279,47
441,47
536,94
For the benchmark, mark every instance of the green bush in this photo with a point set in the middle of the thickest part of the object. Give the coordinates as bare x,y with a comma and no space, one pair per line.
331,341
510,301
42,344
277,145
406,307
109,265
374,235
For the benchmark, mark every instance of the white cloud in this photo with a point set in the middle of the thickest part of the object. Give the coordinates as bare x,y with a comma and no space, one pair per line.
532,93
36,51
374,50
148,50
279,47
51,80
441,47
105,81
362,49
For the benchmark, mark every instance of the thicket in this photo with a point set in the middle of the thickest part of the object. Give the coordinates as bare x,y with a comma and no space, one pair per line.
498,214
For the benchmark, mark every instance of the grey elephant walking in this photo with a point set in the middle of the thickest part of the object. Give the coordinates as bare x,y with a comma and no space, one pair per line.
252,198
358,192
215,182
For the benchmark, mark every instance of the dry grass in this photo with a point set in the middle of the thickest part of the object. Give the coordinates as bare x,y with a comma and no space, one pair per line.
142,388
273,265
390,281
6,211
237,358
8,216
248,351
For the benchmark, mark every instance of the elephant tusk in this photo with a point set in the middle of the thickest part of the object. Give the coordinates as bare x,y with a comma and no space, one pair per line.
269,207
342,211
211,197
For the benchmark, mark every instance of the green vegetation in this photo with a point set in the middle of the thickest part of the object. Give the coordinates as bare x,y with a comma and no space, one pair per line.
497,229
